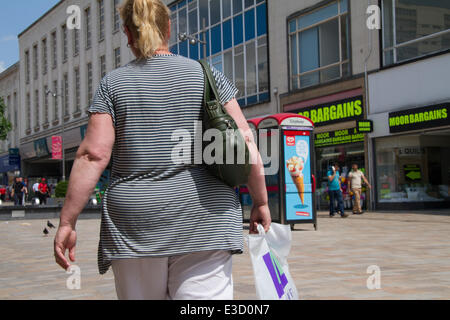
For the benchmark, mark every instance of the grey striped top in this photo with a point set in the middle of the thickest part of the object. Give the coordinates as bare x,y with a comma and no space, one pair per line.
154,207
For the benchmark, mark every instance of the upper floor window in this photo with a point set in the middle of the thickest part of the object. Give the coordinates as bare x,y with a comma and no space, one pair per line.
44,56
36,109
27,67
66,95
76,41
35,62
28,112
116,17
87,19
77,89
102,66
235,33
64,42
54,50
319,46
90,83
412,29
46,97
117,57
101,20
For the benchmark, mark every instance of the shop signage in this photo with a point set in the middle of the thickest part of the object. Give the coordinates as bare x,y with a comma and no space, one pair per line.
14,157
419,118
326,139
41,148
57,148
332,112
412,172
364,126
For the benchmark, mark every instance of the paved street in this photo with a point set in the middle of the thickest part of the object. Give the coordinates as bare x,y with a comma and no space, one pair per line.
412,251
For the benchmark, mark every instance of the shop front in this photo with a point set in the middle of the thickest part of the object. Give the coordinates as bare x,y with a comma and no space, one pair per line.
340,132
412,163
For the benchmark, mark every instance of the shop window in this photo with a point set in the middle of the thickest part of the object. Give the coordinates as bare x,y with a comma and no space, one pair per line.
319,45
413,168
406,36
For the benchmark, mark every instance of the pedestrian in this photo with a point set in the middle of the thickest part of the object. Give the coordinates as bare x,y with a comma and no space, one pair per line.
354,181
335,191
43,191
18,190
36,189
169,228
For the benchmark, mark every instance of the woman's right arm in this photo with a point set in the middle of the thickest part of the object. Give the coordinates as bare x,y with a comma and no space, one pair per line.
257,183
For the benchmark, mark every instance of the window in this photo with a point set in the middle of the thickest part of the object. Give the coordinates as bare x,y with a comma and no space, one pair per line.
76,42
77,89
27,67
66,95
55,101
319,45
44,57
116,17
8,107
54,51
413,168
89,84
46,104
36,109
101,20
413,29
28,112
35,62
117,58
15,110
102,66
87,19
64,42
235,32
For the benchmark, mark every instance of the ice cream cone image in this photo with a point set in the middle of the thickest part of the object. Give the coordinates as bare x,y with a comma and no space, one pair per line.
295,166
298,181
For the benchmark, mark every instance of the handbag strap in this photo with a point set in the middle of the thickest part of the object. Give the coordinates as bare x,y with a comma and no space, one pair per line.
210,84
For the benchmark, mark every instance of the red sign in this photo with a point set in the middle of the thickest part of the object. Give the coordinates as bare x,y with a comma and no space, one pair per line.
57,148
290,141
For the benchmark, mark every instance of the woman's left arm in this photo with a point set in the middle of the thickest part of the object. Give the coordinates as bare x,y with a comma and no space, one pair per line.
91,160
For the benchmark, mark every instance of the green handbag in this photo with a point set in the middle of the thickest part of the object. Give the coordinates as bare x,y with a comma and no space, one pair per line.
216,117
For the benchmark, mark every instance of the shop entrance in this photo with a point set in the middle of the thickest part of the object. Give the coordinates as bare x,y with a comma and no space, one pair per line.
345,155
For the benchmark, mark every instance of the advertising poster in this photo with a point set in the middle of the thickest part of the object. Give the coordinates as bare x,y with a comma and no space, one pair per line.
297,159
56,147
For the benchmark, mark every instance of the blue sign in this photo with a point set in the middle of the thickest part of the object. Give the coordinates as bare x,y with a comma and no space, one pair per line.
297,161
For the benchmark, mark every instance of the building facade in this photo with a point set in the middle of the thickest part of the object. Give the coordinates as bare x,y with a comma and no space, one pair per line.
409,106
59,72
9,157
317,58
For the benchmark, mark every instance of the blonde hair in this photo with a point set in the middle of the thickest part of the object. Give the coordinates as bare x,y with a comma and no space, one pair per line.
148,22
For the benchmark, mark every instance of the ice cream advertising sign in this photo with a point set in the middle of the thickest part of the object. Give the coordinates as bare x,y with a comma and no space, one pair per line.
297,159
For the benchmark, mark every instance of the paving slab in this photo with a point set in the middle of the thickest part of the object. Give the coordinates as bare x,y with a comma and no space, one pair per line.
411,250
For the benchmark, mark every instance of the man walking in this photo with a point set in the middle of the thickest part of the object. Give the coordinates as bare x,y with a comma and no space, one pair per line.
18,190
354,181
335,191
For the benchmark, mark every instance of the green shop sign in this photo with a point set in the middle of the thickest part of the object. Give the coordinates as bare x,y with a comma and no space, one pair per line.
419,118
333,138
364,126
338,111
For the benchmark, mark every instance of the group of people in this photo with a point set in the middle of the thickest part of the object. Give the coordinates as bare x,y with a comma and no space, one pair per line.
19,191
354,178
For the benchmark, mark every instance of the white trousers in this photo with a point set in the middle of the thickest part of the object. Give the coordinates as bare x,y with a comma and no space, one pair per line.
196,276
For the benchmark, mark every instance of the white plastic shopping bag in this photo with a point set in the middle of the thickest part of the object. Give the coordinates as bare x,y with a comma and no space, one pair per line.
268,252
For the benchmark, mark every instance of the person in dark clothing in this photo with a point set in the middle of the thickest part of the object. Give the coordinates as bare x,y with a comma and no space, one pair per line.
17,192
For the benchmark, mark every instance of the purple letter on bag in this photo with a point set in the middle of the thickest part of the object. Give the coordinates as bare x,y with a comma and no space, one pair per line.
278,277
